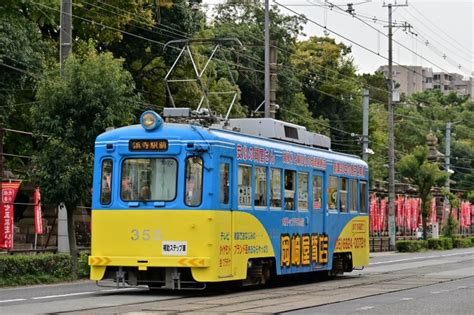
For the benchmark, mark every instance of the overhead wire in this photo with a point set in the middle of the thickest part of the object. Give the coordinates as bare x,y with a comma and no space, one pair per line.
426,41
394,40
461,46
144,38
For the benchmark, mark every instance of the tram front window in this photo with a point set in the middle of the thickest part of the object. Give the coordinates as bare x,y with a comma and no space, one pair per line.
149,179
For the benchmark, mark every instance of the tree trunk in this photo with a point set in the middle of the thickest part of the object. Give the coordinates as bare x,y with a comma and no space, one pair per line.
425,213
71,228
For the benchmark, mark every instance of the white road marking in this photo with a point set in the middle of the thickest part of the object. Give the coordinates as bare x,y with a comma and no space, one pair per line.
12,300
417,258
435,292
462,287
120,290
406,299
365,308
60,295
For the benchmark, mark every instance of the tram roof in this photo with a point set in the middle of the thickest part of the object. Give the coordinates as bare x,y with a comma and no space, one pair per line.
189,132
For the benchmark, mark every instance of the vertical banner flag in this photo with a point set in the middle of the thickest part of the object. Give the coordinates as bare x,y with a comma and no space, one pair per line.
372,212
472,214
383,210
8,191
376,216
408,213
433,211
399,211
461,215
38,217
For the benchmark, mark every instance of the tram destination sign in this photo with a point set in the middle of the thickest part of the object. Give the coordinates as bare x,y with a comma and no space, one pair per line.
148,145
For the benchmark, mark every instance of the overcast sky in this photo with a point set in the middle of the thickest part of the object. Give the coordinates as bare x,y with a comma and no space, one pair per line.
444,31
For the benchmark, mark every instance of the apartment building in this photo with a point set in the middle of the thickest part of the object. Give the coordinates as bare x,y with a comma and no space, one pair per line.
412,79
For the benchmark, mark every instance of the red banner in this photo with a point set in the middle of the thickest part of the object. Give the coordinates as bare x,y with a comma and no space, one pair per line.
433,211
9,191
399,217
383,211
38,217
472,214
373,202
408,213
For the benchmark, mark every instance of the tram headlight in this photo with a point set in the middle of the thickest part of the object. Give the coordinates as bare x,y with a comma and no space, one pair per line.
150,120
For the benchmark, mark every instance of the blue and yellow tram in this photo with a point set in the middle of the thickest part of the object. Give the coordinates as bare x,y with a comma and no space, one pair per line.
178,205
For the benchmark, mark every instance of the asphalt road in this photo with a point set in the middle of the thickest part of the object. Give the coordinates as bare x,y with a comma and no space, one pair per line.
438,282
453,297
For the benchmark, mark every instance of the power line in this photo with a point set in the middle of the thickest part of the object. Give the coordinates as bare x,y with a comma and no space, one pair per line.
246,56
427,42
348,39
19,70
18,104
163,27
440,29
400,44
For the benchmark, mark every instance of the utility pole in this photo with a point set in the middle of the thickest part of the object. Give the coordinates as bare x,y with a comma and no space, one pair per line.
267,59
391,138
273,79
365,125
65,35
447,159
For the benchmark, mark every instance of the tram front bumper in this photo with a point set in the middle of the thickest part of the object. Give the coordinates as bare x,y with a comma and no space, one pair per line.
98,264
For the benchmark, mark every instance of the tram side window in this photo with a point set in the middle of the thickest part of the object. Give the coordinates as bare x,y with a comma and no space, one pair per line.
260,197
290,187
317,191
363,197
244,182
193,189
106,183
332,193
149,179
275,187
224,180
353,186
302,191
344,188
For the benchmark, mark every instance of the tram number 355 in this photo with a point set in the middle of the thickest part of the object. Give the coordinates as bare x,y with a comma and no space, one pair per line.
145,235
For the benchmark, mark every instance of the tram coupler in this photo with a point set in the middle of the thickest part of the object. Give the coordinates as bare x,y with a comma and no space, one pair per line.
120,278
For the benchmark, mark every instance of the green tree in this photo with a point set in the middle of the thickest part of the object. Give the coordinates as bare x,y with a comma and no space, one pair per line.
451,225
94,93
425,175
23,52
331,87
243,20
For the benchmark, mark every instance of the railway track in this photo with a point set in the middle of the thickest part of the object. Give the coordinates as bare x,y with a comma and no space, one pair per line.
295,294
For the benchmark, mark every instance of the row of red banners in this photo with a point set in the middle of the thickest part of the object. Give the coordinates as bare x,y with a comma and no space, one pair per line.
408,213
8,192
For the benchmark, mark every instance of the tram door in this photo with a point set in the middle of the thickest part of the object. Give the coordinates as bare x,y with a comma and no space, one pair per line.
318,202
226,233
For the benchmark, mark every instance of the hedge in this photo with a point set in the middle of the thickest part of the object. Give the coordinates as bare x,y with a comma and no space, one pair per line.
39,269
435,243
441,243
462,243
411,246
447,242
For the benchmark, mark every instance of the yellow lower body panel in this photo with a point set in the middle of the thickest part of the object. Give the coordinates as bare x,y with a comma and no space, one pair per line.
216,245
354,238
